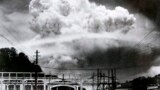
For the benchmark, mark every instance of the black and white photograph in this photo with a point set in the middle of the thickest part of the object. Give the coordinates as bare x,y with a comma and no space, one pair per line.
79,44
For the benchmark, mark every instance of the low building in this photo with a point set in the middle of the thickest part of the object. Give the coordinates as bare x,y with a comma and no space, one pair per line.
26,81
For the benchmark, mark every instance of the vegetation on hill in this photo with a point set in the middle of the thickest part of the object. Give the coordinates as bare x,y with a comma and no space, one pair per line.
11,61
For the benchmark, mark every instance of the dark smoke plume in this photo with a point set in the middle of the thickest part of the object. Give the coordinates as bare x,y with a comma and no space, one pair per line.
118,57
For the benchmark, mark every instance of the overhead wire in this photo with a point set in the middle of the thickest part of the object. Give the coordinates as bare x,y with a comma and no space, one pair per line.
6,39
87,69
139,43
12,43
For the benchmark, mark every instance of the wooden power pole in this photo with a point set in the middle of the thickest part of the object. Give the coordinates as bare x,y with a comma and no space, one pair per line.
36,67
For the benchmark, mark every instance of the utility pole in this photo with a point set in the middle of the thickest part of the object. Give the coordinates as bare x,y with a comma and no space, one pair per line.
93,81
36,71
103,81
113,78
98,71
63,80
49,77
109,76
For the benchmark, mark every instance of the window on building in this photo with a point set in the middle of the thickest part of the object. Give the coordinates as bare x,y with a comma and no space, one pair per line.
40,75
0,75
20,75
40,87
62,88
6,75
80,88
33,75
17,87
11,87
13,75
28,87
5,87
27,75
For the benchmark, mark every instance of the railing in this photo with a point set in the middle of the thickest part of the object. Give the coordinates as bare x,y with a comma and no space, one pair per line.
24,75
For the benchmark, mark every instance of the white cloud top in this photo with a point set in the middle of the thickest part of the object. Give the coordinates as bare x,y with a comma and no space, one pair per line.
80,16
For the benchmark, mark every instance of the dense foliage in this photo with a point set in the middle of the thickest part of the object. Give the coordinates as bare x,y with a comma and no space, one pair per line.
11,61
140,83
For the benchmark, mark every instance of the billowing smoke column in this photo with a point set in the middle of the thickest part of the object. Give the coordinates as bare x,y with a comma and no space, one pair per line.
81,16
81,34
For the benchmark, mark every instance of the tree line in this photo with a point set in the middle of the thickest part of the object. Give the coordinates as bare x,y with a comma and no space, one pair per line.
12,61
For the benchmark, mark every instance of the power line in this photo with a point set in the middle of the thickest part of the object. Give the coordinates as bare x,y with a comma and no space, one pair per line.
70,68
88,69
12,43
6,39
9,41
139,43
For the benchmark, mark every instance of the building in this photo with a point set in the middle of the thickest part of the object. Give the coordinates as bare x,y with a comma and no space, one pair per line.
26,81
